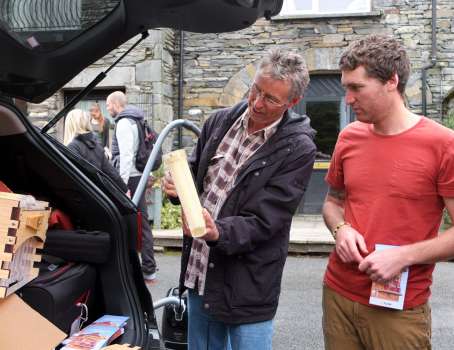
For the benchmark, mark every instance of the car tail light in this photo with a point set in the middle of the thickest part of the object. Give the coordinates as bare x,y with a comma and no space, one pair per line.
139,231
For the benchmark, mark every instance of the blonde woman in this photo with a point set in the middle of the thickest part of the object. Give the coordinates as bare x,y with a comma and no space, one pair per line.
80,139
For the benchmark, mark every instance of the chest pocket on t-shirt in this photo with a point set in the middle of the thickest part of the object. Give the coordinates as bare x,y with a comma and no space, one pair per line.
411,180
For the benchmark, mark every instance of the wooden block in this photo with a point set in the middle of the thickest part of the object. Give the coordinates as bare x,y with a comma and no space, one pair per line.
34,221
25,231
8,202
23,226
36,258
5,212
10,196
21,268
7,224
7,240
6,256
176,162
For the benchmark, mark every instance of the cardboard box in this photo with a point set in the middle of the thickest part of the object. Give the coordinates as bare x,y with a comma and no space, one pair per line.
22,328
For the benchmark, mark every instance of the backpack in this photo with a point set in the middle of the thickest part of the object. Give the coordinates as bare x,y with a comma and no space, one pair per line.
147,139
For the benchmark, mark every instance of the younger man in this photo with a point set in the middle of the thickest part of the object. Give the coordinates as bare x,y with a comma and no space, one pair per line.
391,175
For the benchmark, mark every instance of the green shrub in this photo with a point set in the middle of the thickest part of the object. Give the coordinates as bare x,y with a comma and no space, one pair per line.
447,221
158,173
449,121
170,215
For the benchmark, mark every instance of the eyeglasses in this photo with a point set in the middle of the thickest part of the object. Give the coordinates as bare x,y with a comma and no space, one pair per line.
267,99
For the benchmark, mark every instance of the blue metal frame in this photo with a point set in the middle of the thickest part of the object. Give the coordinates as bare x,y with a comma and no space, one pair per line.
179,123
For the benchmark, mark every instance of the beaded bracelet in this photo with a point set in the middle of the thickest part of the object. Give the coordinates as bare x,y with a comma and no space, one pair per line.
338,226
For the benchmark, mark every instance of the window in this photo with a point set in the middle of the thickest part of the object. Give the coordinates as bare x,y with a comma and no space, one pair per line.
317,7
47,25
325,105
98,96
95,96
142,101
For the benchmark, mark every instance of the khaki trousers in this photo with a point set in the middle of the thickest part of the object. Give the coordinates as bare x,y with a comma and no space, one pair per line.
349,325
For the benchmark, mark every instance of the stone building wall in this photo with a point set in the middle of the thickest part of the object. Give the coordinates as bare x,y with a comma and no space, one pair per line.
220,67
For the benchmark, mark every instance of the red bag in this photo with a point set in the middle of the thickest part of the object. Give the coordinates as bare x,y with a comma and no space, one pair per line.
4,188
59,220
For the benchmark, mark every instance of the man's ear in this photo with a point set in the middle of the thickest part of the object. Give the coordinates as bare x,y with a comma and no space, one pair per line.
295,101
393,82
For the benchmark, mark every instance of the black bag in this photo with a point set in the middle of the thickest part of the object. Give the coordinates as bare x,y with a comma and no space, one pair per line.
147,139
78,245
175,324
63,294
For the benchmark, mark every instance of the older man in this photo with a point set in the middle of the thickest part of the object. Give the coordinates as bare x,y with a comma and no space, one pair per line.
252,164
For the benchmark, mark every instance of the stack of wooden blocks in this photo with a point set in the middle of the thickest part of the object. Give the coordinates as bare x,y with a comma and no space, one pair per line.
23,227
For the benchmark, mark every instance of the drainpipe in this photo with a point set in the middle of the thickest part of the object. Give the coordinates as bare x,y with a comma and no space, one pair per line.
180,88
433,58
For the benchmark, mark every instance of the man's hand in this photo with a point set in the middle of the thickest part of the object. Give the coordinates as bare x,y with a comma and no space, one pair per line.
212,233
350,244
383,265
168,185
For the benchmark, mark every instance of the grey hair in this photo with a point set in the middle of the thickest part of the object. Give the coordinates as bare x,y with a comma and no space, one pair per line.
284,65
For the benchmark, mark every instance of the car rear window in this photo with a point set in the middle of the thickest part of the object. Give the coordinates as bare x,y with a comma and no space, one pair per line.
45,25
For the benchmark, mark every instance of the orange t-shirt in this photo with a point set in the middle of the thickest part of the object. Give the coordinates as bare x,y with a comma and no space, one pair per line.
394,187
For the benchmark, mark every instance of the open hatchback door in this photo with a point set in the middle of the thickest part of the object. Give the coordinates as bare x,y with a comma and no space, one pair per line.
44,44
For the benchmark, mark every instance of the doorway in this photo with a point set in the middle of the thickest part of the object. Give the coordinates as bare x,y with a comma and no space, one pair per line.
324,103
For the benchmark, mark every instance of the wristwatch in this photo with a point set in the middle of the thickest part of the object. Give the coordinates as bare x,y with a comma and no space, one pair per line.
338,226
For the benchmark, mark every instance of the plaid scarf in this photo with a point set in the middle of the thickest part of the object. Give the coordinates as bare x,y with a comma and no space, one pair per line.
235,149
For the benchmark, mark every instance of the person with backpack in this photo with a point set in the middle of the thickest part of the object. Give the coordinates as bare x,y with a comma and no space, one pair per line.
132,142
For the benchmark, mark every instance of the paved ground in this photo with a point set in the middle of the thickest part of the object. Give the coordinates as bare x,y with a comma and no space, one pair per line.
298,320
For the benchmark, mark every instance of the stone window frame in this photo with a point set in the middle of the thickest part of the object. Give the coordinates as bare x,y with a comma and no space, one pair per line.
96,95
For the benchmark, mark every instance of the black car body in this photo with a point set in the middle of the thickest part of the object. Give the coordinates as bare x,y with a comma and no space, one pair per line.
34,64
